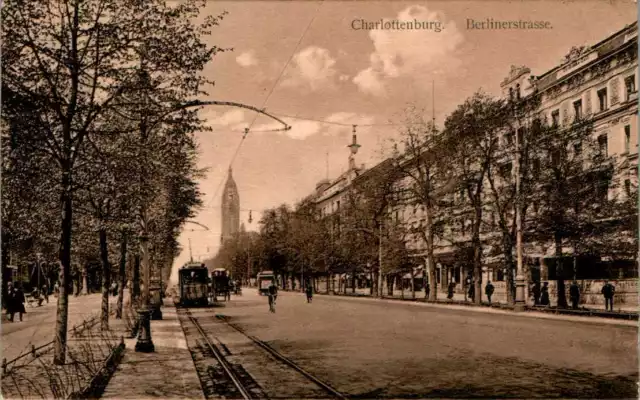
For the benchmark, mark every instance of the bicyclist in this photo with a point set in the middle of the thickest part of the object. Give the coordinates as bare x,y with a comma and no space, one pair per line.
273,295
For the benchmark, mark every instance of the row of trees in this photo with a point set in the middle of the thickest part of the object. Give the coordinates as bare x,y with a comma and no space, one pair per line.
464,179
98,151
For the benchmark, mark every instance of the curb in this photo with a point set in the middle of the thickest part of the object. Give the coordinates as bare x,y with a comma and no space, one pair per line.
531,313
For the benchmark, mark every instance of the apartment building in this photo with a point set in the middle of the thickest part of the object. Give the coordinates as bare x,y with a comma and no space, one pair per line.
598,83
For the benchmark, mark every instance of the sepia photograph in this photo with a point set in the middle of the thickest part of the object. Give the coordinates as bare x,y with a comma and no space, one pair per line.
319,199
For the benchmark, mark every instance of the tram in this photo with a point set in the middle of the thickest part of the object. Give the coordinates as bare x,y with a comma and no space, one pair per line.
194,284
220,283
264,280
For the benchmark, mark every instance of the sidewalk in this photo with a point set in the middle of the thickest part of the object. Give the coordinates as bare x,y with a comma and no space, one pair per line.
167,373
487,310
460,298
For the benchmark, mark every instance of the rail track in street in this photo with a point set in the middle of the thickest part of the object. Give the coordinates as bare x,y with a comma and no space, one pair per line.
224,373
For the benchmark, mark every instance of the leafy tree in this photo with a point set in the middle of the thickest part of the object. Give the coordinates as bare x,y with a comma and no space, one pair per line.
472,132
72,61
574,180
425,178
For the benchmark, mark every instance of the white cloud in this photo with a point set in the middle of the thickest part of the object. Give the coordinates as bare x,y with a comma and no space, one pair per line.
370,81
417,53
312,68
233,119
302,129
247,59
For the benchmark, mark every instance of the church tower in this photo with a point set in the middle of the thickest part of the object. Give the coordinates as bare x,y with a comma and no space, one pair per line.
230,209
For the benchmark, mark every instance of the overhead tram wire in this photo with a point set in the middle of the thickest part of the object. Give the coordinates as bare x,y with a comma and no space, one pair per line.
322,121
246,131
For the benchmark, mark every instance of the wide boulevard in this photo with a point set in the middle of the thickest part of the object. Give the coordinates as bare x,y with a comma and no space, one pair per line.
370,348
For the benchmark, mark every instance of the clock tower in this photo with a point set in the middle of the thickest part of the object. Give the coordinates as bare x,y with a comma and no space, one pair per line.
230,209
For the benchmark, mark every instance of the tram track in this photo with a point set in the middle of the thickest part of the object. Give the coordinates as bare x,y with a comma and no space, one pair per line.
285,360
218,377
224,373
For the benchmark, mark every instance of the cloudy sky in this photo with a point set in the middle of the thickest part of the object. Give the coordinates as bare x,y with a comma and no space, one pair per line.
337,72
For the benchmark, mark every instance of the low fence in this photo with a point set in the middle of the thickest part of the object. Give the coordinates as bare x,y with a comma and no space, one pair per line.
99,382
76,330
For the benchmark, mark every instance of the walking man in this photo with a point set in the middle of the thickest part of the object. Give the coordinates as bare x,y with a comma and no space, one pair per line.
608,290
427,290
45,293
273,295
489,291
309,291
452,285
544,295
18,303
574,294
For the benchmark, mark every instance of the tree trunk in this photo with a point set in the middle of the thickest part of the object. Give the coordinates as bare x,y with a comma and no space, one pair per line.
562,298
353,281
122,274
106,280
477,257
135,285
413,286
433,285
372,282
60,340
508,256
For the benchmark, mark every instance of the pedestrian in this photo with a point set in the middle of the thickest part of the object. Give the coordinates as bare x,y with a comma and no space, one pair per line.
544,296
488,290
574,295
309,292
35,294
452,286
608,291
112,289
427,290
18,299
56,289
536,293
10,301
273,295
472,291
45,292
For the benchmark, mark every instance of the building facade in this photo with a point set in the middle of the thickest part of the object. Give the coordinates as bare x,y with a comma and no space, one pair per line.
230,209
597,83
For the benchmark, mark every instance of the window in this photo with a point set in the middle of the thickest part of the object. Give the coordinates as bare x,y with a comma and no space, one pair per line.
627,138
462,227
602,190
338,203
555,118
602,145
510,137
505,170
511,94
630,83
602,98
577,109
518,91
536,167
627,187
577,150
397,216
